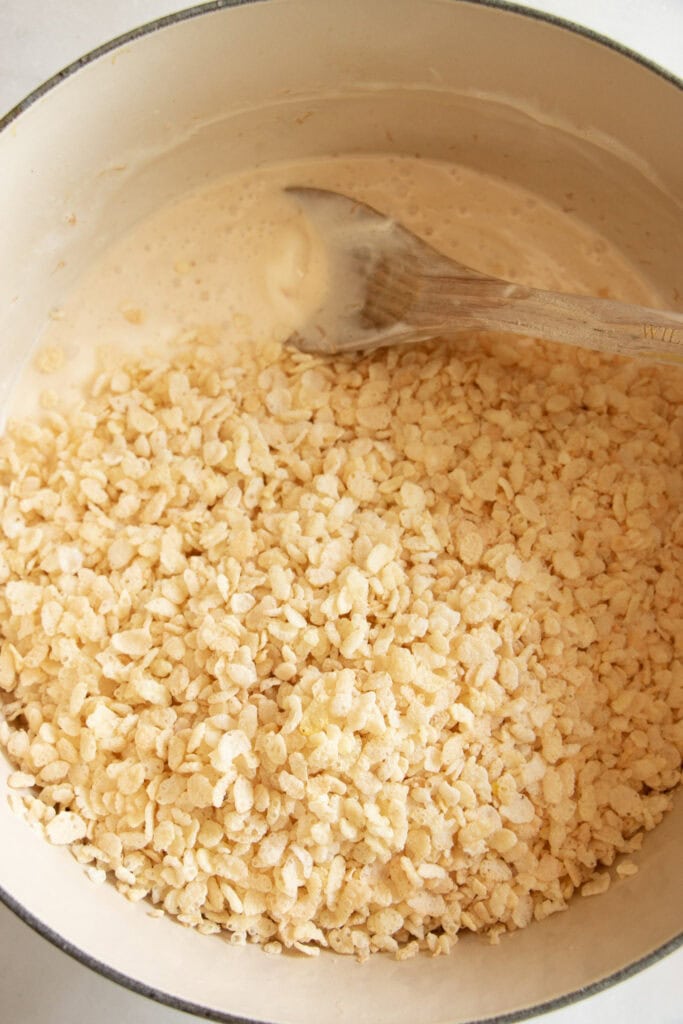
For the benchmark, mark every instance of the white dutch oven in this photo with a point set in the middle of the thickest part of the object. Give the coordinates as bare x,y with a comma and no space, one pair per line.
225,87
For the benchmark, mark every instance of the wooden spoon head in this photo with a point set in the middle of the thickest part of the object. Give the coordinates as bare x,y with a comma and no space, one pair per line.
373,276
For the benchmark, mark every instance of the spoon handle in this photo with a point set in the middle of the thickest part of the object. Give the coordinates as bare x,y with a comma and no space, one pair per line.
584,321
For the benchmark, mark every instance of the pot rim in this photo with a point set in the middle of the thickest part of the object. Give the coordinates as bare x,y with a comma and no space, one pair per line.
216,5
53,937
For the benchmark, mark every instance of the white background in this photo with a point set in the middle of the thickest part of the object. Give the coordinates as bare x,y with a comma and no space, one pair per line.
38,984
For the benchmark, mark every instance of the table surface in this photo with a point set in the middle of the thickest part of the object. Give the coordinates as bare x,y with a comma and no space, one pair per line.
37,38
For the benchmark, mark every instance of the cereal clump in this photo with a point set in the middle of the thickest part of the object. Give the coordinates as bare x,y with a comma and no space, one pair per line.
49,359
351,654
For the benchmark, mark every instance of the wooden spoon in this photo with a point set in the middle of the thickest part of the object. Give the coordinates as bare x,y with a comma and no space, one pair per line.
386,286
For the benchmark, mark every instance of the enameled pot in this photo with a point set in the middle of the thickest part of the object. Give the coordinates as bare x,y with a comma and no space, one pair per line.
232,85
